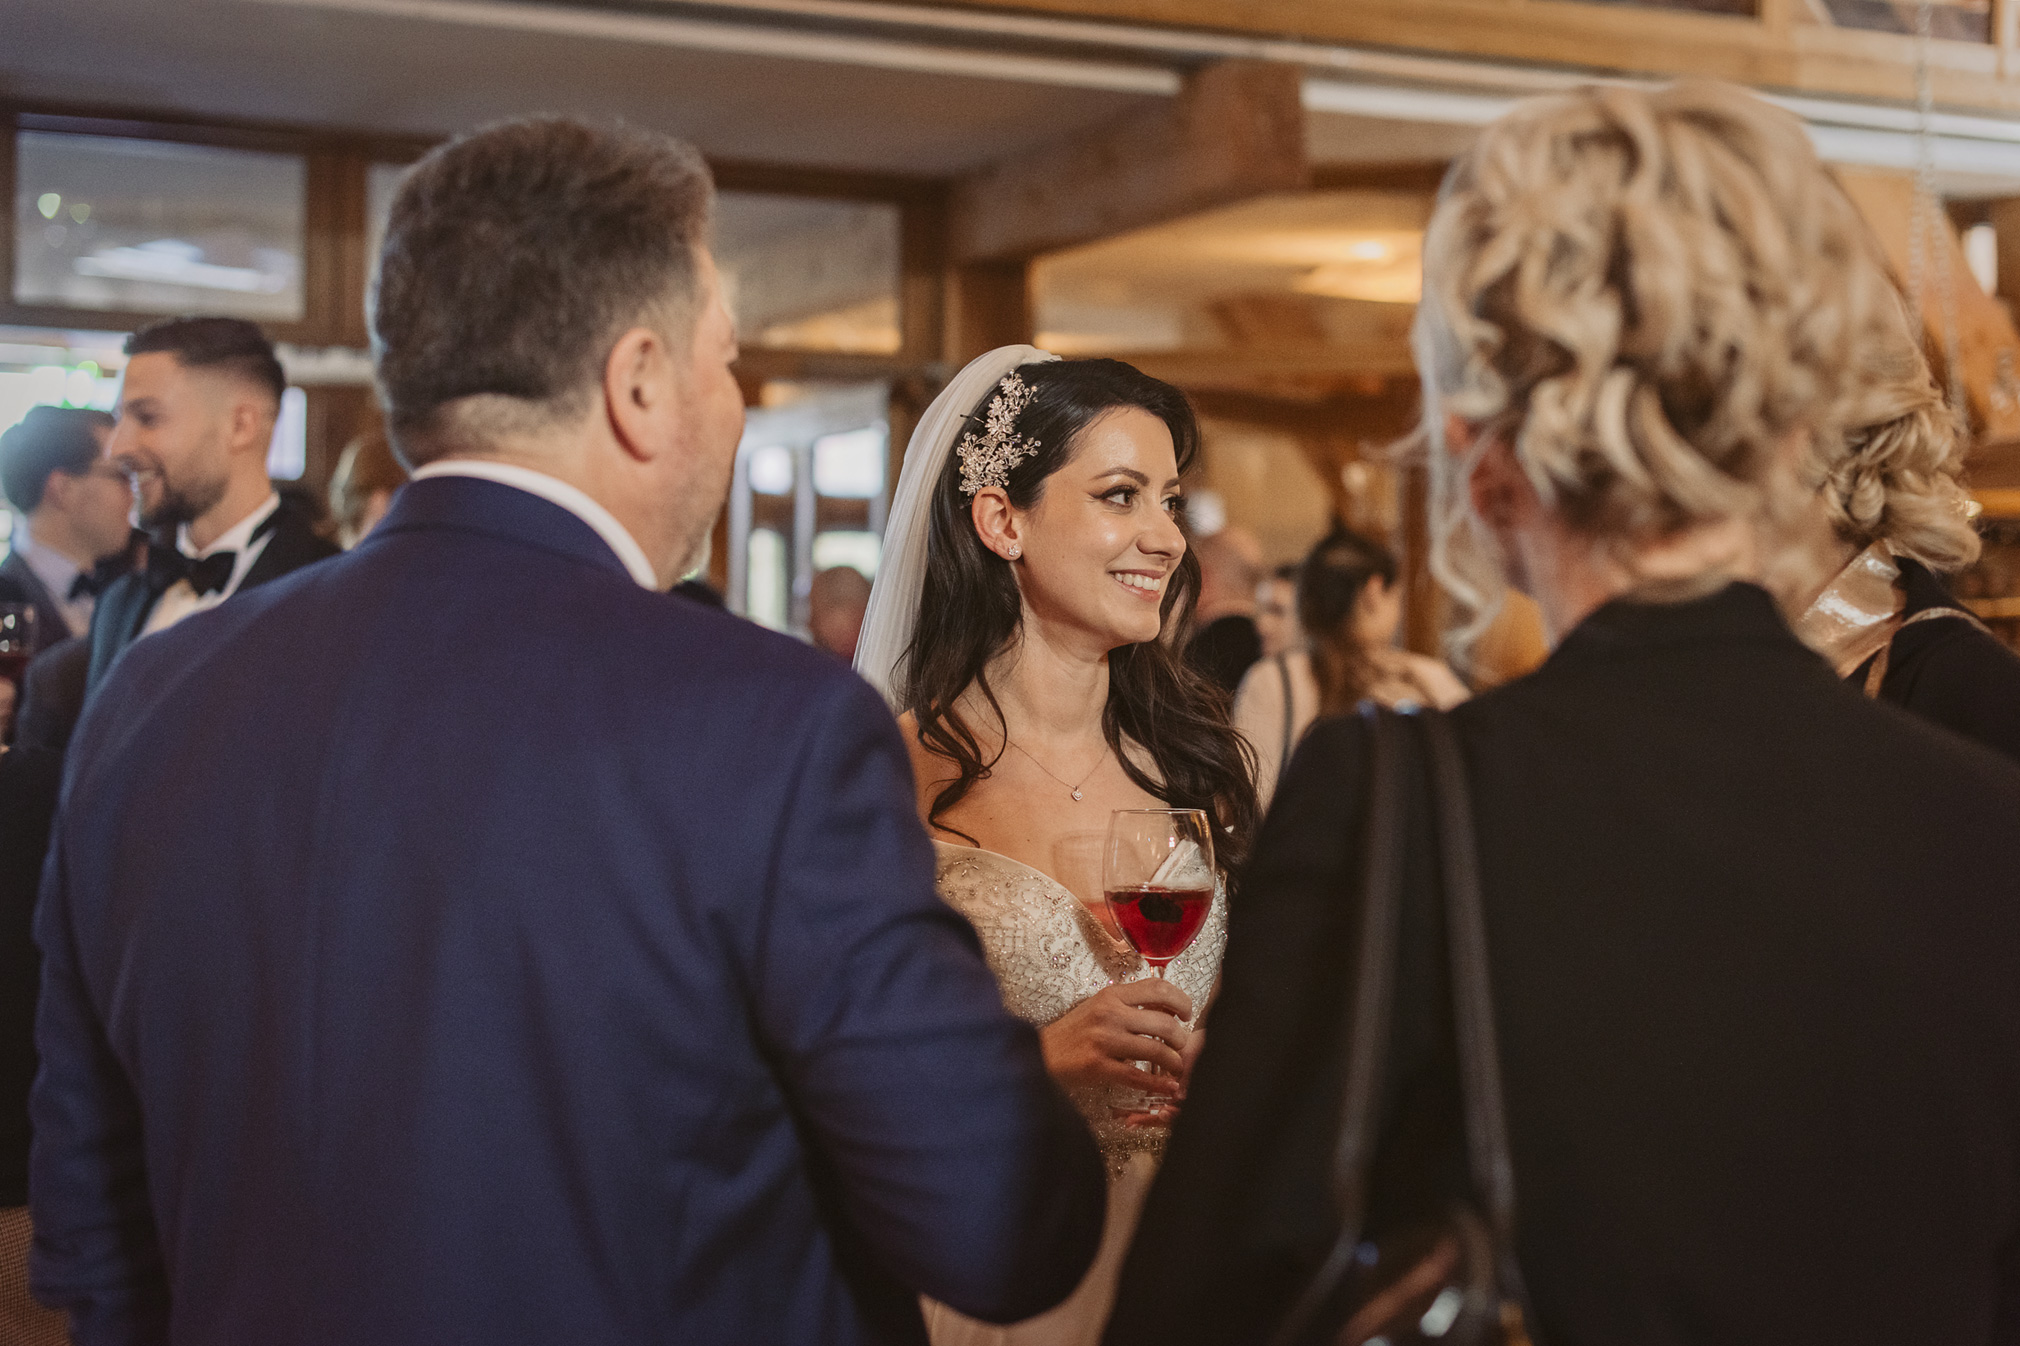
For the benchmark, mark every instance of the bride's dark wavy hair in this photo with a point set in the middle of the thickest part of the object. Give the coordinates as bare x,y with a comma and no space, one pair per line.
969,610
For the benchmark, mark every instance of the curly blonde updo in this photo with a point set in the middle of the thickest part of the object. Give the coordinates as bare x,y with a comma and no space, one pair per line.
1652,297
1894,475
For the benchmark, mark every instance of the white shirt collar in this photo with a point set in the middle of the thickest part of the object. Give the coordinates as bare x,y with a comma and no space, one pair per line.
235,538
52,567
556,491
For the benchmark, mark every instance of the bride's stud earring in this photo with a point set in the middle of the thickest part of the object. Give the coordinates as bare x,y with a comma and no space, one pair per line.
1014,552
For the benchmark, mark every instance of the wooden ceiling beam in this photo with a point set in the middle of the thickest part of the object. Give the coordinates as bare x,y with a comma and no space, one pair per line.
1265,365
1235,130
1782,49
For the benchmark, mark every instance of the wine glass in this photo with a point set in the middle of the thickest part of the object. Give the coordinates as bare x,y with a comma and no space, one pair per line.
17,634
1157,874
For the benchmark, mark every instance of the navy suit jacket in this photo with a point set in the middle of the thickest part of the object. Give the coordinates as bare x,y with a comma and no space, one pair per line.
457,942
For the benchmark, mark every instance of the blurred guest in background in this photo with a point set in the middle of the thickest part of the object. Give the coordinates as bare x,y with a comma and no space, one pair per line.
1750,938
72,506
1231,565
362,487
197,410
1276,612
1900,519
835,605
1349,603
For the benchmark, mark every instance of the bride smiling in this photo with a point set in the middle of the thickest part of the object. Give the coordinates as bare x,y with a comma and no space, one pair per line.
1022,627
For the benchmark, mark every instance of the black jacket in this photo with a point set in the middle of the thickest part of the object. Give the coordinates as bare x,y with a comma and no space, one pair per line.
27,802
52,695
1755,943
1953,672
123,608
19,584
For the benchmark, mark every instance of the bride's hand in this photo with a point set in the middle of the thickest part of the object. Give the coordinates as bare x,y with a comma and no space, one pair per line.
1099,1040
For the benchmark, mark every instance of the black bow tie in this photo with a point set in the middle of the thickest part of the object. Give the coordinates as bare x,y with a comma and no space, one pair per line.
84,586
206,574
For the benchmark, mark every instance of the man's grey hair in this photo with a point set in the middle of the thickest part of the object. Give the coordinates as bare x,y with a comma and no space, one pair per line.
514,258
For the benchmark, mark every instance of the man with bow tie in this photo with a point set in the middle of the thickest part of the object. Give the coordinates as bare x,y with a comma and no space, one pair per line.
196,415
71,503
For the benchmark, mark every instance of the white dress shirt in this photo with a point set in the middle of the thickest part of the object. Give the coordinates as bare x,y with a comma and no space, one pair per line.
559,492
57,573
179,600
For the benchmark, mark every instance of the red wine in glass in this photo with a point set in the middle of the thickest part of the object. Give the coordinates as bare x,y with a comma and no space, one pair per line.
1158,876
17,633
1160,921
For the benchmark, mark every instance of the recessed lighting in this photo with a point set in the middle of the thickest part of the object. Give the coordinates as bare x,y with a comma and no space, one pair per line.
49,203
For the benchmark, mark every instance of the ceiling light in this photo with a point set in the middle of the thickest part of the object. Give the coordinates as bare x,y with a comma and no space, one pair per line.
49,203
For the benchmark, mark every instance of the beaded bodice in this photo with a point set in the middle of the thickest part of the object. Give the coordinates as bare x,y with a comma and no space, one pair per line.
1049,953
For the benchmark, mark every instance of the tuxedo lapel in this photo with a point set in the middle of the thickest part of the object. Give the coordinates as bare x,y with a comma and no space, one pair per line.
121,613
292,544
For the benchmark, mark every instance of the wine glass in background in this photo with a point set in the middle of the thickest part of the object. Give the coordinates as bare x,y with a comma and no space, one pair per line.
1158,876
17,636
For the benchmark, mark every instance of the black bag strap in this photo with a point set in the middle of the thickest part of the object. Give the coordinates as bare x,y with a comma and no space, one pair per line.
1283,663
1371,1008
1480,1087
1368,1014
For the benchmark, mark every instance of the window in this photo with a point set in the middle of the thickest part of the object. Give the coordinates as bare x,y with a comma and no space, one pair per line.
288,450
768,601
844,547
817,274
382,184
144,226
850,465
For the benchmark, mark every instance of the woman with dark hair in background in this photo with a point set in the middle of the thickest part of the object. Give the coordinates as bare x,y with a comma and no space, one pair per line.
1349,604
1022,627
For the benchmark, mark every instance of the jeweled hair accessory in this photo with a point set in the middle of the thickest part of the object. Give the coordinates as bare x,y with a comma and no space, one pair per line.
986,459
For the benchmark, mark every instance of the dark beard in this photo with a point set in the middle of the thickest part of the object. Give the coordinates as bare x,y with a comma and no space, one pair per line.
186,504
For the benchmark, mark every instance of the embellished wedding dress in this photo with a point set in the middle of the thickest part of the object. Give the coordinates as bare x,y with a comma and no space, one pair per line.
1049,953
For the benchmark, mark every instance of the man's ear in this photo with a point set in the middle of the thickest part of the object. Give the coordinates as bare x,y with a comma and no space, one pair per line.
997,523
639,392
249,424
59,490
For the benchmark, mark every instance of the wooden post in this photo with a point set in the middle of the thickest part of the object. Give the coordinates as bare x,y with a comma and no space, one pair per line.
989,305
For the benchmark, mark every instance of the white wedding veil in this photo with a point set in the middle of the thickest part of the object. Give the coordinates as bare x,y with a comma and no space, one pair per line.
901,574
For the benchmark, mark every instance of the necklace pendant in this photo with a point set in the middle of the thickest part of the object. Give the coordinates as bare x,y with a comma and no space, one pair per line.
1076,796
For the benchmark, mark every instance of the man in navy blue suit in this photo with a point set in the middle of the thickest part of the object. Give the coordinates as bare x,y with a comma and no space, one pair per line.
466,941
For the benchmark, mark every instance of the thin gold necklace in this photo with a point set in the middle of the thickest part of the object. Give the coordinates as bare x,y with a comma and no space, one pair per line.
1071,788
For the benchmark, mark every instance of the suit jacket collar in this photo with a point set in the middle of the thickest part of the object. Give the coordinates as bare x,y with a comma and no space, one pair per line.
474,505
1737,614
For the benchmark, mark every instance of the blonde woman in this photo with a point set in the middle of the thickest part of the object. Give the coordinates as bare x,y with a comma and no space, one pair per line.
1900,520
1749,936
